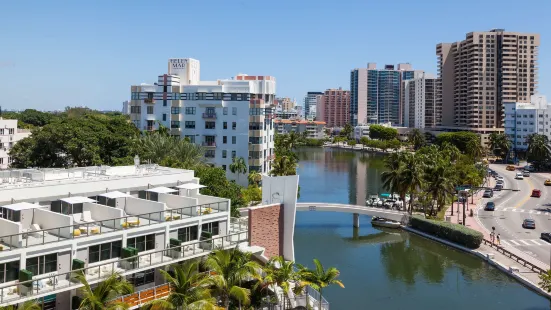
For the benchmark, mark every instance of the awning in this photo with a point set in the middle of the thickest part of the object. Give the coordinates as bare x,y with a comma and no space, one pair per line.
114,194
190,186
77,199
22,206
162,190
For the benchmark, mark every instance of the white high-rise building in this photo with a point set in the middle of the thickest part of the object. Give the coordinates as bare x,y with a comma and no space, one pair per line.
420,109
310,101
9,135
523,119
230,118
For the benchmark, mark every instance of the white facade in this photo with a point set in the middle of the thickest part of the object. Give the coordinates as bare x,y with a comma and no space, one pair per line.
228,117
361,131
524,119
9,135
310,101
419,101
126,107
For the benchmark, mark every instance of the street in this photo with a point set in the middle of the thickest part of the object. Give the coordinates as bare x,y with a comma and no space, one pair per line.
512,207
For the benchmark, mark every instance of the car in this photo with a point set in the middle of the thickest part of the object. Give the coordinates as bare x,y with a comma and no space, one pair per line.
510,168
499,182
546,236
526,173
529,223
547,182
490,206
498,187
536,193
519,176
488,193
499,178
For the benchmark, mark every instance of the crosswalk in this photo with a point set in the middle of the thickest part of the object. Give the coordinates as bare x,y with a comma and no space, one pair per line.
519,210
525,242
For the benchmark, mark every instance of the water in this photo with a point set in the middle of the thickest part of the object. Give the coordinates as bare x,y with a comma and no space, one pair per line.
389,269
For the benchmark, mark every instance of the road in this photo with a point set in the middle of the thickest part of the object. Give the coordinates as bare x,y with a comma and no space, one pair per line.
512,207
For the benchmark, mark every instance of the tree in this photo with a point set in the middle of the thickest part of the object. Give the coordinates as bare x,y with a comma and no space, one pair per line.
214,178
412,176
474,149
393,178
27,305
238,166
347,131
382,133
545,281
168,151
280,272
254,178
319,278
189,289
101,297
459,139
500,144
439,183
231,268
416,138
284,165
538,150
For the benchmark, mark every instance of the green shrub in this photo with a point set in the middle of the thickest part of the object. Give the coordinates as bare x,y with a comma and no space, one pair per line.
452,232
351,142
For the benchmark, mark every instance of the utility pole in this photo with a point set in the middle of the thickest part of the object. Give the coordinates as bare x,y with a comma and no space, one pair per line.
464,214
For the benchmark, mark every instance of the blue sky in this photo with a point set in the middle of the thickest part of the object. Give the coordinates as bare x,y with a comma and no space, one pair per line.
87,53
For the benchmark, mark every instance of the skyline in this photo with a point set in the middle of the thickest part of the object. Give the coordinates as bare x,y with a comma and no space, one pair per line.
104,48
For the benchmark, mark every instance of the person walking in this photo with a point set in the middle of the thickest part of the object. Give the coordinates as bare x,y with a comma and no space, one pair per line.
492,236
498,241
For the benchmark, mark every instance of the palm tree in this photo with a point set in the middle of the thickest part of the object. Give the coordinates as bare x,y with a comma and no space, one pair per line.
231,268
500,142
254,178
538,148
412,176
27,305
439,183
280,272
347,131
416,138
167,150
392,178
238,166
189,289
101,297
293,139
545,281
319,278
284,165
474,149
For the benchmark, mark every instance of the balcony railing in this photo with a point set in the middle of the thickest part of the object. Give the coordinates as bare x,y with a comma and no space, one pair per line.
209,144
128,222
209,115
149,100
44,285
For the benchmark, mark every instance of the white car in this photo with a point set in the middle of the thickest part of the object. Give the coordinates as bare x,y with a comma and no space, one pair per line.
500,178
519,176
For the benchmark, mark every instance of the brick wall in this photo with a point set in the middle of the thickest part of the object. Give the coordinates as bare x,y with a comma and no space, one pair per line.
266,228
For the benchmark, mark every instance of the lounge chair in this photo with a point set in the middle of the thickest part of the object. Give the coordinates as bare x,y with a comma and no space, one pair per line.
35,228
87,217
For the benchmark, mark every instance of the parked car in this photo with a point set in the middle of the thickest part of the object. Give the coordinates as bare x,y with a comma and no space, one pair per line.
529,223
536,193
510,168
488,193
546,236
519,176
547,182
526,173
490,206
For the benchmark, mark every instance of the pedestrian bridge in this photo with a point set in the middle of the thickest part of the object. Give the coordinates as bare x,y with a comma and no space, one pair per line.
356,210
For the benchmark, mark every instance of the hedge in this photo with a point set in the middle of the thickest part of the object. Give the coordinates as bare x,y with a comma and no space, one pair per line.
452,232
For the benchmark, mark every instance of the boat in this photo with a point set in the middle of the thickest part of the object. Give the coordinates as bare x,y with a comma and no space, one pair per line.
382,222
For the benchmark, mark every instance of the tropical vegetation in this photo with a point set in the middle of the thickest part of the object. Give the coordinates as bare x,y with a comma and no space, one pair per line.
101,297
452,232
381,132
416,138
499,144
460,139
539,150
545,281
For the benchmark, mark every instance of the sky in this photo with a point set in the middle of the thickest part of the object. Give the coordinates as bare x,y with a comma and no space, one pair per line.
55,54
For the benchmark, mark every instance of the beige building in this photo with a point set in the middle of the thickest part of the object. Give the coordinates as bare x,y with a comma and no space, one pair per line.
477,75
286,104
313,129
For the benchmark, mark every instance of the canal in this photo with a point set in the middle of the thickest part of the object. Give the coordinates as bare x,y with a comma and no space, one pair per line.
388,269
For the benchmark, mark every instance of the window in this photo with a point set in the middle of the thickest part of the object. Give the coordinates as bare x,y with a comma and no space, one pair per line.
136,109
224,153
210,153
164,117
218,96
255,126
187,234
225,139
175,110
142,243
233,140
164,102
211,227
149,109
234,111
233,125
224,167
142,278
210,125
255,140
9,271
42,264
233,154
174,124
255,154
104,251
190,110
191,138
225,111
256,111
225,125
190,124
210,111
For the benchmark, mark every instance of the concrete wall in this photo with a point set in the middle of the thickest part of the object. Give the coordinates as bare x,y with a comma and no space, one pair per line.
104,213
266,228
177,202
48,220
136,206
10,228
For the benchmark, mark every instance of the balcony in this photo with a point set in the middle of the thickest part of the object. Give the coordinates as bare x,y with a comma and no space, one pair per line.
209,144
209,115
149,100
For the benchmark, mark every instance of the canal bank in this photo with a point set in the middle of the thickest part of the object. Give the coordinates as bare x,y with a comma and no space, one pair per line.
384,269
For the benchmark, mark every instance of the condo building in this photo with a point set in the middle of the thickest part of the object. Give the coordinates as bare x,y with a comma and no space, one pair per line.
523,119
479,74
376,95
285,103
310,102
9,135
420,109
230,118
311,129
333,107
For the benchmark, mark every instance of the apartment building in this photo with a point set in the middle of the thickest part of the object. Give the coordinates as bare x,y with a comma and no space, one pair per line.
313,129
9,135
377,96
524,119
285,103
310,103
230,118
130,219
420,107
334,107
279,113
479,74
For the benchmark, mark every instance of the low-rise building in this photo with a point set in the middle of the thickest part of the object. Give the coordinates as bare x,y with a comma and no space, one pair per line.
9,135
361,131
524,119
313,129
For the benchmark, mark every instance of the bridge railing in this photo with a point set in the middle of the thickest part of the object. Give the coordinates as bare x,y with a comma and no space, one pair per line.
515,257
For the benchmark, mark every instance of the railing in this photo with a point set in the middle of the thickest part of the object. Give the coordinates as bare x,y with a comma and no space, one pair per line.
149,100
61,233
213,144
519,259
46,284
209,115
309,299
